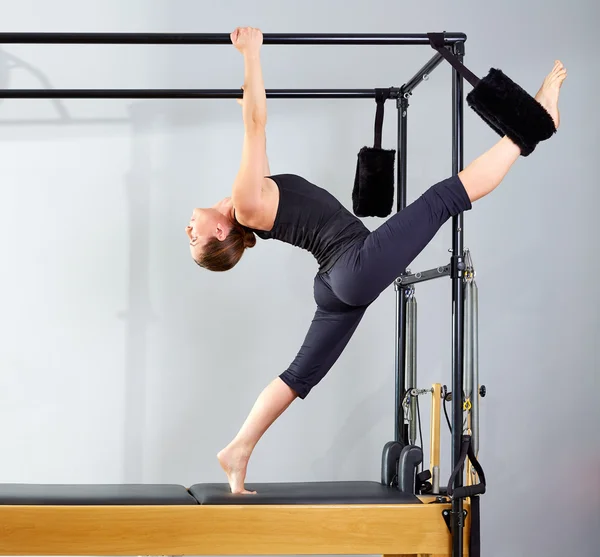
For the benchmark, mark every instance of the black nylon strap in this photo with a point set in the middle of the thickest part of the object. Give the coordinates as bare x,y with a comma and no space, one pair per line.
437,42
381,95
470,490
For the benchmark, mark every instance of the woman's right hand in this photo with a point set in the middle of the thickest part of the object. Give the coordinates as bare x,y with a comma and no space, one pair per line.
247,40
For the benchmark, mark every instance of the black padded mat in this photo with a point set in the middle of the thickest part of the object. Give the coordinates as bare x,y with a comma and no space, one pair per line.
313,493
94,494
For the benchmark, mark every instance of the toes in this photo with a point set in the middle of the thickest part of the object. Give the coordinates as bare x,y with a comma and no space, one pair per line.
561,76
558,66
558,76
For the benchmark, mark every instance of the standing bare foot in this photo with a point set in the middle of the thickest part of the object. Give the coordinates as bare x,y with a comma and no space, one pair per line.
547,96
234,461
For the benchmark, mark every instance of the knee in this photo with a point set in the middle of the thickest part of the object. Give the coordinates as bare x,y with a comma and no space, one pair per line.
300,387
448,197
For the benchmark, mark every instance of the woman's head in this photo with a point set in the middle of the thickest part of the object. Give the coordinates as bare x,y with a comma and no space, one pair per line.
217,240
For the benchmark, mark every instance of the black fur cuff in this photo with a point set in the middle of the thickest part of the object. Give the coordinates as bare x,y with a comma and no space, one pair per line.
373,192
509,110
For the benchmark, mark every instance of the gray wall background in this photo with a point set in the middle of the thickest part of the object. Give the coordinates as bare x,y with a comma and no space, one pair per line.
123,362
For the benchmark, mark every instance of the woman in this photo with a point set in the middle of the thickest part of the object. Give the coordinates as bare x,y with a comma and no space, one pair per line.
355,265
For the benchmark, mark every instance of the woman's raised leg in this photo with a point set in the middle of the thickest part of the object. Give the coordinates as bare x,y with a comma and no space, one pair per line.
389,249
486,172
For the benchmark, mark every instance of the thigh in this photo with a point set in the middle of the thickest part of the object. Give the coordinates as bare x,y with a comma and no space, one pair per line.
368,269
330,331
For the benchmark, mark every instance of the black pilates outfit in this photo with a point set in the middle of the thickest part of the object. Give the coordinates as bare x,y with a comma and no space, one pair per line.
355,265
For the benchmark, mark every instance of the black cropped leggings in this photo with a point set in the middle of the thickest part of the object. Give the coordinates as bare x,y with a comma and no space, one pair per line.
362,273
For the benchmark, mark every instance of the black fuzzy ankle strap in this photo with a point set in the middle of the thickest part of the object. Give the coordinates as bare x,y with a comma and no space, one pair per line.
438,43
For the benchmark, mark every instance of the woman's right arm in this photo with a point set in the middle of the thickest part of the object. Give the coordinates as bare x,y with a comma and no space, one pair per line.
247,188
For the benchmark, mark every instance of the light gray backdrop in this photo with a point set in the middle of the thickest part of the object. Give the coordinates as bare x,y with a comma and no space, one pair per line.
121,361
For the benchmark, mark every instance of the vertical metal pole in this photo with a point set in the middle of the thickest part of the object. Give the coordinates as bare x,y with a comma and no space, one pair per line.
402,105
468,340
475,397
411,359
401,429
410,372
457,305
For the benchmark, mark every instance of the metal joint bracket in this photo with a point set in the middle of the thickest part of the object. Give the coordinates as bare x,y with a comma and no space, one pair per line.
459,48
395,92
457,266
402,101
413,278
447,516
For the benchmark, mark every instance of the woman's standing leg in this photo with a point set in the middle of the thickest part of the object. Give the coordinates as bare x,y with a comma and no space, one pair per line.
389,249
271,403
331,329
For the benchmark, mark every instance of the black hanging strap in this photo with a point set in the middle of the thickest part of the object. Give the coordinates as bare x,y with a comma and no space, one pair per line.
438,43
467,490
472,491
381,95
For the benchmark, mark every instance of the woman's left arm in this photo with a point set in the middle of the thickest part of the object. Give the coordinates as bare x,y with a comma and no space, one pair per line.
266,166
247,188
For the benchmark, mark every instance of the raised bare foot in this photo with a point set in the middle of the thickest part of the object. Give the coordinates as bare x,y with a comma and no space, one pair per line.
234,462
547,96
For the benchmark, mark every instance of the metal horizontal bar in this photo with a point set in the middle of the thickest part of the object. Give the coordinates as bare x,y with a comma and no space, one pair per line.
223,38
406,280
182,93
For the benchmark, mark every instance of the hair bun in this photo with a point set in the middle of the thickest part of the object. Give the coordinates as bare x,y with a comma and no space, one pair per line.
249,239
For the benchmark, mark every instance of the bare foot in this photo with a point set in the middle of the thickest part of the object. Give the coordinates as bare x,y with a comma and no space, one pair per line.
547,96
234,462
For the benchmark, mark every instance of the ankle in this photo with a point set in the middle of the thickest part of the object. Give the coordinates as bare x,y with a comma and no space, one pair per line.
240,447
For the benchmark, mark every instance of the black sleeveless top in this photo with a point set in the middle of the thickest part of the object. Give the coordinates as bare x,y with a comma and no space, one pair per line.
310,218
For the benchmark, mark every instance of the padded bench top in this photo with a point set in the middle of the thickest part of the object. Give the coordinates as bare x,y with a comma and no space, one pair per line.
95,494
312,493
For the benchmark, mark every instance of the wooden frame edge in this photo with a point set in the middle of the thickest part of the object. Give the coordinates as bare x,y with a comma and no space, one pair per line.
224,530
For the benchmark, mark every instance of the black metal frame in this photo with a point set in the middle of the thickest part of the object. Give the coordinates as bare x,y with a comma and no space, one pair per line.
454,41
224,38
458,302
204,39
183,93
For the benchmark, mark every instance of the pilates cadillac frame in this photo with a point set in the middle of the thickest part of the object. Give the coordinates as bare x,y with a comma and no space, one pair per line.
179,525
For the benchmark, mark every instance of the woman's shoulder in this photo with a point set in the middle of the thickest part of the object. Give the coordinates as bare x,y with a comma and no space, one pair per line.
263,216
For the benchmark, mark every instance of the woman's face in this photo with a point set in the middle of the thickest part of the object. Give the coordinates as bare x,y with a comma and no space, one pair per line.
206,223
